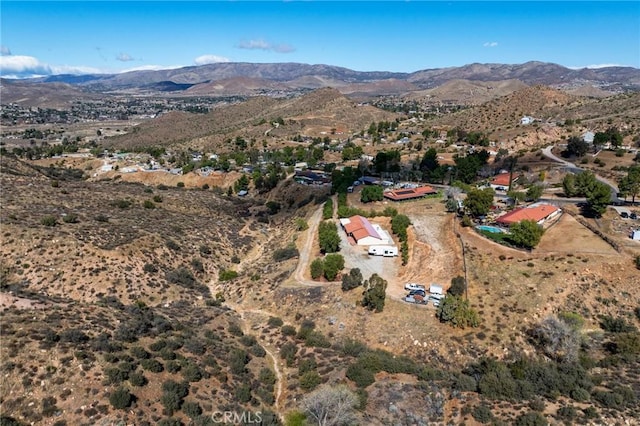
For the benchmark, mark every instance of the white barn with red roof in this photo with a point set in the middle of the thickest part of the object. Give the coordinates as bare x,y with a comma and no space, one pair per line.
363,232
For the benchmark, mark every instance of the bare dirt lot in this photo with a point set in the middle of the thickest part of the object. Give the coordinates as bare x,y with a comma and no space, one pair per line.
569,236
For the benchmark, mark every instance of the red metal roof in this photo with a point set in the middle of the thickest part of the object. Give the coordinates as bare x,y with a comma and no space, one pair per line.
407,194
535,213
502,179
359,227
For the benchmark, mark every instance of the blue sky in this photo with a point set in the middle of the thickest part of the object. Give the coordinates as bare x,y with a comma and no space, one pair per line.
40,38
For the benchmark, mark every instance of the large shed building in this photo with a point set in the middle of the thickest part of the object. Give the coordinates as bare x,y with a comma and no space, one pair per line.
363,232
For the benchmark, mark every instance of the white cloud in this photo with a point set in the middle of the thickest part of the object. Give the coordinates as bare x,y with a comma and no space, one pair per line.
4,50
209,59
260,44
23,65
490,44
124,57
19,66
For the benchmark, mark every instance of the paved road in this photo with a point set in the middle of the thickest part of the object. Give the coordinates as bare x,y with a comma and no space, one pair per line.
571,167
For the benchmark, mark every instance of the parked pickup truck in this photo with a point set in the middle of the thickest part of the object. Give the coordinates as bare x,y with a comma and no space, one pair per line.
414,286
416,298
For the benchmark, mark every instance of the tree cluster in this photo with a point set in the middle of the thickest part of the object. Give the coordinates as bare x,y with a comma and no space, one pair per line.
374,293
328,237
586,185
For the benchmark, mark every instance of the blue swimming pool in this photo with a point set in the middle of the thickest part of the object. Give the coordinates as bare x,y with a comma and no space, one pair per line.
492,229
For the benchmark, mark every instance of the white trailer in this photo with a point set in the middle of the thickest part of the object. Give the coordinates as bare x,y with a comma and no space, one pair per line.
386,251
436,289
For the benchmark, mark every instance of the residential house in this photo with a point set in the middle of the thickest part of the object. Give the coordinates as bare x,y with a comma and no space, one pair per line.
409,193
363,232
500,182
540,213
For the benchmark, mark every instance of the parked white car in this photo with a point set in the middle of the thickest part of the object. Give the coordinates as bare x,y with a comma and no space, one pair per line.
414,286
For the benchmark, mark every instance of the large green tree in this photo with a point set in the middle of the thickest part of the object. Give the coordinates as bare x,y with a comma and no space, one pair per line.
629,185
371,193
328,237
479,201
599,198
333,264
456,311
534,192
576,147
526,233
374,293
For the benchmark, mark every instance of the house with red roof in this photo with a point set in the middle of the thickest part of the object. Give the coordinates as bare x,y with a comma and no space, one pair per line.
363,232
539,213
409,193
501,181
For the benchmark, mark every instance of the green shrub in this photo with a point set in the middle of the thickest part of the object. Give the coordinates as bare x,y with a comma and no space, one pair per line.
173,367
205,250
532,418
70,218
162,187
148,204
352,280
243,393
235,329
580,395
227,275
295,418
191,409
172,245
49,221
568,413
458,286
180,185
288,330
197,265
310,380
626,344
275,322
102,218
360,375
182,277
288,352
120,398
192,373
173,394
317,268
122,203
238,359
301,224
327,209
482,413
152,365
285,253
307,364
457,312
333,264
317,339
150,268
157,198
137,379
616,325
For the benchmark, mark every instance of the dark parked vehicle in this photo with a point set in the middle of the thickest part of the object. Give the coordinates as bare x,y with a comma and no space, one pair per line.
624,215
633,216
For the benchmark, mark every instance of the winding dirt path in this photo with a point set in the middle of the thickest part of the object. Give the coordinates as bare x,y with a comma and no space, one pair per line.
271,352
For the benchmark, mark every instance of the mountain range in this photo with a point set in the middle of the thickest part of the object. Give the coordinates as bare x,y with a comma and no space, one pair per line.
260,78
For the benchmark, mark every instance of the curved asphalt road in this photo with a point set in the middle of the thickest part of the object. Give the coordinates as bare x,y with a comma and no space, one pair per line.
571,167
